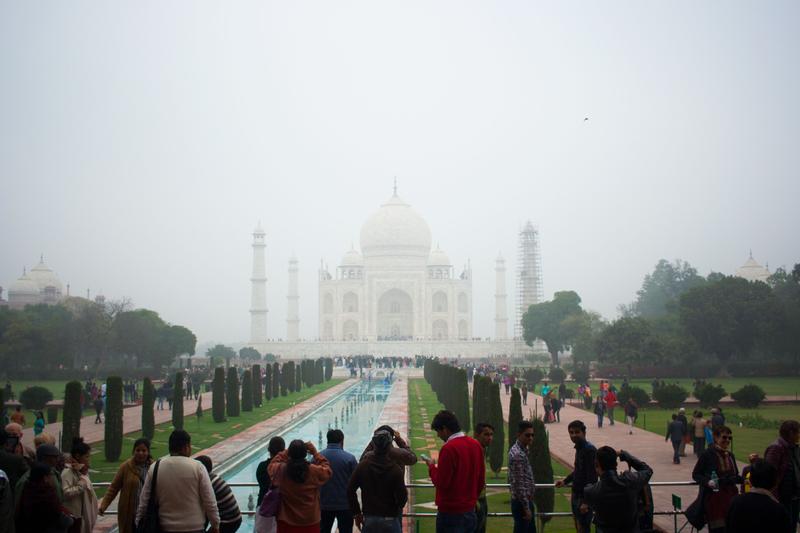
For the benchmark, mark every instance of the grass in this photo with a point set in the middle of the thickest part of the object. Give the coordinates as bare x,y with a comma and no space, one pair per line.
205,432
423,404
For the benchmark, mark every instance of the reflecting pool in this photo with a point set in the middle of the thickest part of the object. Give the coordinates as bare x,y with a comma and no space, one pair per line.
356,412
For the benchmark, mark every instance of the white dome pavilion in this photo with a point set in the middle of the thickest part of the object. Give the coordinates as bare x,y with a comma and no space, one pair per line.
752,271
45,278
438,258
395,230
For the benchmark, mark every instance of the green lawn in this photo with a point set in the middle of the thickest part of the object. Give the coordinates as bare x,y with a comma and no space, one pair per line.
423,404
205,432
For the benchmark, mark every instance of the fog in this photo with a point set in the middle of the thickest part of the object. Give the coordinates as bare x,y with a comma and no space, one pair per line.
141,142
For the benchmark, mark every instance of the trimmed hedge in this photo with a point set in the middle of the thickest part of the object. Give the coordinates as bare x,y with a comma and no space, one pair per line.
113,426
148,404
258,392
277,389
177,401
71,427
514,415
247,391
539,457
267,382
557,374
232,392
749,396
218,395
709,395
35,398
298,385
670,396
639,396
497,449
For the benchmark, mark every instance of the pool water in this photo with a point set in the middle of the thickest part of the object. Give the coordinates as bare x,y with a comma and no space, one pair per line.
356,412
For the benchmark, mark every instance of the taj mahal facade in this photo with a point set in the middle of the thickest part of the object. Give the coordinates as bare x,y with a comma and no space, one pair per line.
396,296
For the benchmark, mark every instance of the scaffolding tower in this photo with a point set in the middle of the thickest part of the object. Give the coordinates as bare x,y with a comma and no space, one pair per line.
530,289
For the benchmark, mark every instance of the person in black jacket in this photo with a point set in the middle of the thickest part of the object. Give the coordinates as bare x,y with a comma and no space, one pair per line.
583,474
675,433
758,510
614,498
718,476
275,446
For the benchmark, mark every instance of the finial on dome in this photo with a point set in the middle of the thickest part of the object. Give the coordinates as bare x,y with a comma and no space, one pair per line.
41,258
751,253
395,186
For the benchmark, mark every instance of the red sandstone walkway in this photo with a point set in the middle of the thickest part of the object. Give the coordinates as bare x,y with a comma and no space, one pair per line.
645,445
131,421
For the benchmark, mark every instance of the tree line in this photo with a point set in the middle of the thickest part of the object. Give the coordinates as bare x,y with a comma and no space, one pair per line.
680,318
80,333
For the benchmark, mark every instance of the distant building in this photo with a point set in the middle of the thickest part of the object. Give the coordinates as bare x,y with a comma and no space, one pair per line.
40,285
752,271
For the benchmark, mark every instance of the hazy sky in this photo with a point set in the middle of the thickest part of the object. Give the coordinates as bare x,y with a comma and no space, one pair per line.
141,142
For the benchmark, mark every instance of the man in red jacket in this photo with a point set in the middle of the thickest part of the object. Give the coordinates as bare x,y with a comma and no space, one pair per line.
459,477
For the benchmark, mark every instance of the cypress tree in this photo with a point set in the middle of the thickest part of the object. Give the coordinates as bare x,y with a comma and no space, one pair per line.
257,390
177,402
148,416
514,416
497,449
539,456
232,392
462,399
298,381
289,368
247,391
218,395
476,399
277,389
71,426
113,429
328,368
267,382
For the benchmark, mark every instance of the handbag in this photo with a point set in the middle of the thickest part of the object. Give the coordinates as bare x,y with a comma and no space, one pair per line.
696,513
150,522
271,504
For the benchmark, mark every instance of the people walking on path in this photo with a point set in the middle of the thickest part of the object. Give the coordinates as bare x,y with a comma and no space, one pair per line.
718,476
459,477
79,496
333,496
784,455
38,424
383,489
583,473
524,394
675,433
759,510
611,403
128,483
698,426
520,480
600,410
484,434
631,414
686,435
18,417
182,490
98,409
230,517
299,483
12,464
614,498
276,445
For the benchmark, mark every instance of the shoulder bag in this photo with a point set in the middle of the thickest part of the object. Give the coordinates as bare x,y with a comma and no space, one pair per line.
150,522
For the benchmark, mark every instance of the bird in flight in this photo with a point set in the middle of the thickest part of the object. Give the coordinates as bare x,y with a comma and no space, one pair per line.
585,119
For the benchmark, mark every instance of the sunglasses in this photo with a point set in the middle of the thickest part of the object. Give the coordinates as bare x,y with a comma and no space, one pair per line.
726,437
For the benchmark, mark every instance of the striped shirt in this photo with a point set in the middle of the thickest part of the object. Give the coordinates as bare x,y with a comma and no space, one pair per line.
226,501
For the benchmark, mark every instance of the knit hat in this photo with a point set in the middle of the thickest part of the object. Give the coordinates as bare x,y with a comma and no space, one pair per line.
46,450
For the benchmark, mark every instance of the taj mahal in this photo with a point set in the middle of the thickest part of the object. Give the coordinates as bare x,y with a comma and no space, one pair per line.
396,296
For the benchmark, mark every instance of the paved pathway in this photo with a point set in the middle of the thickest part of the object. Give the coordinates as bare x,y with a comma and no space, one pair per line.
131,421
645,445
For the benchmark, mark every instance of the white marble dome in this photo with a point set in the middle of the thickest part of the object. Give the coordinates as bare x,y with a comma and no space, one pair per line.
752,271
352,258
23,286
438,258
395,230
44,277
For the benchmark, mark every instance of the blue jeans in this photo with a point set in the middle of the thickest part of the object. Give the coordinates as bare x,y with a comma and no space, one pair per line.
521,525
583,521
381,524
455,522
676,447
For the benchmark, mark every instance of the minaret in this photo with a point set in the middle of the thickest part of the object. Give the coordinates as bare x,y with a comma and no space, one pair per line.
500,312
258,292
529,274
293,297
